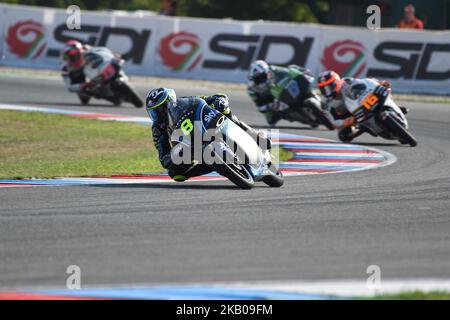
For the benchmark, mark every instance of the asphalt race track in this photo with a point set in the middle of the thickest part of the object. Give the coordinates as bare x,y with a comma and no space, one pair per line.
329,226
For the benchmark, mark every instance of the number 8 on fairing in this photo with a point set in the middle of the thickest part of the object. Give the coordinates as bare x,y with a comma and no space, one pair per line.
187,126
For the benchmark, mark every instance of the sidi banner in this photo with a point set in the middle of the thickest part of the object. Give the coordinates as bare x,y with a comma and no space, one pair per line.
185,48
222,50
414,61
33,37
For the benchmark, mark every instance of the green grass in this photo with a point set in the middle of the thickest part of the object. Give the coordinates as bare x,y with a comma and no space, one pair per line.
411,295
281,154
40,145
415,295
44,145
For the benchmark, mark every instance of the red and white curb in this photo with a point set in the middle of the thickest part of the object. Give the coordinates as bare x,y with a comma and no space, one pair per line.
311,156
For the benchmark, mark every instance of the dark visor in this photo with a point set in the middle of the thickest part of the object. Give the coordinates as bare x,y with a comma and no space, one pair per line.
327,90
259,78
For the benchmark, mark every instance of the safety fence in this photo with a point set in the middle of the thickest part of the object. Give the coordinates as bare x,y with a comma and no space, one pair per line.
222,50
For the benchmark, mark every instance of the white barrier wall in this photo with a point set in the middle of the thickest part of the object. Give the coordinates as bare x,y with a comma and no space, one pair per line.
33,37
415,61
2,41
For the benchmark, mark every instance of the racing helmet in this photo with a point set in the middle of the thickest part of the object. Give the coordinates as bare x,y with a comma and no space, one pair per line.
159,101
260,75
329,83
72,53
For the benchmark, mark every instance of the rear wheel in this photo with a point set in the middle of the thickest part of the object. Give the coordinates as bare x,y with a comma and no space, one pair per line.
404,136
275,179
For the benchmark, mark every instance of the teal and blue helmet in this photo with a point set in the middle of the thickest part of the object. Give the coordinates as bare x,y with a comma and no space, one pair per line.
159,101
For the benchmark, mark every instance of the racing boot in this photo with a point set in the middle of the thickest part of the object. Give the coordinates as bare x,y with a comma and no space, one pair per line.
272,118
349,133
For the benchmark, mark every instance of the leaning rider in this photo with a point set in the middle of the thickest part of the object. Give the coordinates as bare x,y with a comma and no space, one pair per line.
164,108
274,89
336,91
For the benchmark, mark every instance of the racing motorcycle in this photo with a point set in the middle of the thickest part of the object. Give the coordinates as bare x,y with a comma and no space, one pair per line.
376,112
224,148
111,84
290,95
311,114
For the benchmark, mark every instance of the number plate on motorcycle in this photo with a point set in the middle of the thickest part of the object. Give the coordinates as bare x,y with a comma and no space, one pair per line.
370,101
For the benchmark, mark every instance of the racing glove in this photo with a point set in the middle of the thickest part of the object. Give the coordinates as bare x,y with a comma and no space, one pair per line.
87,86
385,83
349,122
382,91
220,102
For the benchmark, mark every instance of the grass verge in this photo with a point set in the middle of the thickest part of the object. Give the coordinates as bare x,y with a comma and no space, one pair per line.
415,295
40,145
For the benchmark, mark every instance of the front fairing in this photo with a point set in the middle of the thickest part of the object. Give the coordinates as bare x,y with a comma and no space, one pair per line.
389,107
246,146
353,100
210,122
392,108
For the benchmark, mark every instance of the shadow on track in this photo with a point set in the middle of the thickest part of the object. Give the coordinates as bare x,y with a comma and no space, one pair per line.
380,144
191,186
286,127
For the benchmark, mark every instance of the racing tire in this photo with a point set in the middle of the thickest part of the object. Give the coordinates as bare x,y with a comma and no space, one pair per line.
84,99
238,174
275,179
321,117
130,95
403,134
235,172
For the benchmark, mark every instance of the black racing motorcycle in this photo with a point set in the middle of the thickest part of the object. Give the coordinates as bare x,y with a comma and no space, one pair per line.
296,100
208,141
310,113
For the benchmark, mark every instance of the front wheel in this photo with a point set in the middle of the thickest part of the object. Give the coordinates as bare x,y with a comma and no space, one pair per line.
275,179
84,98
235,172
238,174
322,117
130,94
403,134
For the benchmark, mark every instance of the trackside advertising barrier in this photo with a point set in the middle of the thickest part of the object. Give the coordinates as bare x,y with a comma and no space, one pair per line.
210,49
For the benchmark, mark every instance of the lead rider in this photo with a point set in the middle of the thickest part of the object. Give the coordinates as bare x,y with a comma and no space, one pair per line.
165,110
